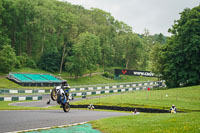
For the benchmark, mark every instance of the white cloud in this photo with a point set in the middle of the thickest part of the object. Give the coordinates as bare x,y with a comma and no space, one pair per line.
155,15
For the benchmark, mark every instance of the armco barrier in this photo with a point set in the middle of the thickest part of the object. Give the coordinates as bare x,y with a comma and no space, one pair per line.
20,98
7,91
91,89
114,86
96,92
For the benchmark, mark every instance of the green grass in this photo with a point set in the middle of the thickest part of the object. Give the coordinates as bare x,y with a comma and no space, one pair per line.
99,79
185,99
5,106
6,84
151,123
29,70
96,79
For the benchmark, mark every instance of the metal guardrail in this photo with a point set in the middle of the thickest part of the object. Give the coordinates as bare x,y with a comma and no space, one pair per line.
73,89
96,85
20,98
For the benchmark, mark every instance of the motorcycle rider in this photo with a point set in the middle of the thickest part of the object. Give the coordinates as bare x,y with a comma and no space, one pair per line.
64,83
173,109
91,107
65,86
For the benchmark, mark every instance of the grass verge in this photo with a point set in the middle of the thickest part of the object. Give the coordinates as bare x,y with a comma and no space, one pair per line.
99,79
6,84
4,105
185,99
151,123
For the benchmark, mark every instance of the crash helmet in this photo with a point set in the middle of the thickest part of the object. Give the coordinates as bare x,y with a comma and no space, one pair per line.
64,82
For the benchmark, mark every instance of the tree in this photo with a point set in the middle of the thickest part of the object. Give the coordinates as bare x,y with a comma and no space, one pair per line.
180,56
91,50
160,38
119,44
148,42
86,54
7,59
32,27
3,36
50,60
24,60
132,46
155,59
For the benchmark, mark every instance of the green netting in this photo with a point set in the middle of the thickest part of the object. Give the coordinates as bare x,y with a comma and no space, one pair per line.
36,77
49,77
21,77
85,128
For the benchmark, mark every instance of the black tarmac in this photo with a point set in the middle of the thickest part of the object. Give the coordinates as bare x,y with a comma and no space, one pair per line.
18,120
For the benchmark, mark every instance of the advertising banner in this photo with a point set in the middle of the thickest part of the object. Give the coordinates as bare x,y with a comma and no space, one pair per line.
134,72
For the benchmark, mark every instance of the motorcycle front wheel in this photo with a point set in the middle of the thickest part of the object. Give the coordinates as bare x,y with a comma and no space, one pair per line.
66,107
53,95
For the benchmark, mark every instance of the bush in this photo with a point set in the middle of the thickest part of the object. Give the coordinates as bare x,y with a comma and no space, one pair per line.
7,59
24,61
50,60
108,75
31,63
18,63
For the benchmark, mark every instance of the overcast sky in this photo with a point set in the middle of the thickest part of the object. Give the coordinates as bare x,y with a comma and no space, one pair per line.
155,15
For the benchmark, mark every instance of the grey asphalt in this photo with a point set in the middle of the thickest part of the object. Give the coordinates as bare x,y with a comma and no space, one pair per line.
40,103
45,98
31,119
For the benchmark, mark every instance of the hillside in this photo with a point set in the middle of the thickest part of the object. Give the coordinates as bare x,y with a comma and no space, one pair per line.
96,79
57,36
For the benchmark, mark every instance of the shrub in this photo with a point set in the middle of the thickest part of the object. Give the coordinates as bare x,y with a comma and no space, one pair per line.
24,61
7,59
108,75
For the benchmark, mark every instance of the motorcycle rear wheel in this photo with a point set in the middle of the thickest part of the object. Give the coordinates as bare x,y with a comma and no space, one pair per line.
53,95
66,107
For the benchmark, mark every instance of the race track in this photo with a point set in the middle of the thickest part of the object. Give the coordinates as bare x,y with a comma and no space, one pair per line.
31,119
17,120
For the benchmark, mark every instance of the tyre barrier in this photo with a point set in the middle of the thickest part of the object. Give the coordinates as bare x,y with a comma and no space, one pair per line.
20,98
145,110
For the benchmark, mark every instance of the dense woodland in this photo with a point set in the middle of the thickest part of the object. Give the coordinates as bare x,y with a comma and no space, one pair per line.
57,36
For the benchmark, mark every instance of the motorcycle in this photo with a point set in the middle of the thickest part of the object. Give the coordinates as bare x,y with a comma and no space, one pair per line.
61,95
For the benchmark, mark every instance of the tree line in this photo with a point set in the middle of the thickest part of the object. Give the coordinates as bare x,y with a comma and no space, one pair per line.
57,36
178,61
